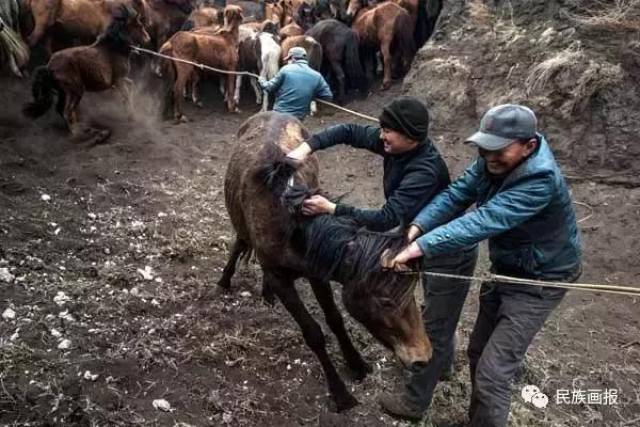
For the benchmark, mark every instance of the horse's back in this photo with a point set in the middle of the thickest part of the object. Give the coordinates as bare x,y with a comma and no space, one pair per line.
257,215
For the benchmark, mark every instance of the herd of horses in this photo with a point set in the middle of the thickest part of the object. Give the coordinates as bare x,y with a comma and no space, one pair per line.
346,39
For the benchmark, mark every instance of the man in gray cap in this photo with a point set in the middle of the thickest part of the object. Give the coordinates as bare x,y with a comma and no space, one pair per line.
296,85
525,210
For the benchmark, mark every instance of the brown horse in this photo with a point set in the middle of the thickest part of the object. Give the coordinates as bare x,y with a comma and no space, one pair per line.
313,48
386,27
83,20
217,49
95,68
263,194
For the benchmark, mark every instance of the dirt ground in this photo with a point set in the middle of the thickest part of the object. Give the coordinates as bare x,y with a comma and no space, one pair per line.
117,247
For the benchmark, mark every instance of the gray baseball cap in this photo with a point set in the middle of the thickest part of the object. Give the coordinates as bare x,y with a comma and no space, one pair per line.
502,124
296,52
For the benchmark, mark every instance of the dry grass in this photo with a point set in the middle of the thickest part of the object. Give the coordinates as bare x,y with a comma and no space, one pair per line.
540,75
590,76
622,15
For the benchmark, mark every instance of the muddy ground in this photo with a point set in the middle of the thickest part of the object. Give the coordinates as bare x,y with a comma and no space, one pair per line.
117,248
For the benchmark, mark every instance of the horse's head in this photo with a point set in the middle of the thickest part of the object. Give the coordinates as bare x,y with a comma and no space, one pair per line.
353,8
126,28
383,301
233,16
271,27
305,16
322,10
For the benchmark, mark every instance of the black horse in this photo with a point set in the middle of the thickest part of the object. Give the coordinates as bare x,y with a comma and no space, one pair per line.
341,61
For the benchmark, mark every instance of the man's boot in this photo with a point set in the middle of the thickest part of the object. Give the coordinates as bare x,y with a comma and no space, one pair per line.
397,406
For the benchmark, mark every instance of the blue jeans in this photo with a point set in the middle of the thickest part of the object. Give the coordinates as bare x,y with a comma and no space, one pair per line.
444,298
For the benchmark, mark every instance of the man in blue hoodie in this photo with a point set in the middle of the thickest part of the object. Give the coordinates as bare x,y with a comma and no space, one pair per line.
525,210
296,85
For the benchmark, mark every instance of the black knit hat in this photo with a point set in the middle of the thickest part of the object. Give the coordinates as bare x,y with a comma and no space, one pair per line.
406,115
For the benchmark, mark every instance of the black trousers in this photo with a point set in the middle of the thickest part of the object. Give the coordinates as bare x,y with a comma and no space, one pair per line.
444,299
510,316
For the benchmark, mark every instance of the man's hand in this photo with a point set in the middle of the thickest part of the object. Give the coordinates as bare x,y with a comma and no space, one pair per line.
399,262
413,232
262,82
300,152
318,205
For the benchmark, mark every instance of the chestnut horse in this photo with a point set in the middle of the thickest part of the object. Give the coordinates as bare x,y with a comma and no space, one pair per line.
95,68
84,20
304,19
263,195
217,49
387,28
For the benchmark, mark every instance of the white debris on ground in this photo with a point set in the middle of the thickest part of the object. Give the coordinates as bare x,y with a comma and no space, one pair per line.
61,298
162,405
8,314
6,276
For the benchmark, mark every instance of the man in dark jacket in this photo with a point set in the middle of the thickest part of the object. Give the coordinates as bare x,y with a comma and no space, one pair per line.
525,210
414,173
296,85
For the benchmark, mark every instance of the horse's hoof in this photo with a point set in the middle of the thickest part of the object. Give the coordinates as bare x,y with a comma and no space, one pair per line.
181,119
345,402
360,369
101,137
386,86
199,104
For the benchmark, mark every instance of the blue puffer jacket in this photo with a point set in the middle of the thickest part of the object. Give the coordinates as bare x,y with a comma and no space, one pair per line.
295,86
527,216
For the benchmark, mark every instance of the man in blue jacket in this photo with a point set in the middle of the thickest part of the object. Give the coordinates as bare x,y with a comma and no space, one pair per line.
525,210
413,174
296,85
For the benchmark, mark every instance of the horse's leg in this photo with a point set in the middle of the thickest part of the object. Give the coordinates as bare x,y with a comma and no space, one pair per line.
71,101
314,108
322,291
236,94
231,86
237,250
386,64
44,15
183,71
283,287
258,91
340,77
195,84
125,88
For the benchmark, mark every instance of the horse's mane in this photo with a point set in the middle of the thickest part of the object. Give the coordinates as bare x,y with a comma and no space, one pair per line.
116,36
340,249
333,247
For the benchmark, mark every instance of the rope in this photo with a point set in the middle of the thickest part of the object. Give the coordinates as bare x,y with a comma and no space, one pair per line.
619,290
245,73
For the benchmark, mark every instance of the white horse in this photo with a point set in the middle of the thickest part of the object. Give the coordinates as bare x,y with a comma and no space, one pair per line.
260,54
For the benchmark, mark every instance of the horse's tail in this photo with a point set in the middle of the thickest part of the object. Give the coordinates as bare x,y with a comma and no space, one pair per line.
403,44
43,87
271,62
314,52
353,66
420,31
